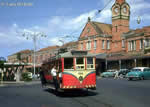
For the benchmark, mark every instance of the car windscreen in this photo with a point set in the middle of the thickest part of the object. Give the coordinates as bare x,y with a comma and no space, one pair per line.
135,70
147,69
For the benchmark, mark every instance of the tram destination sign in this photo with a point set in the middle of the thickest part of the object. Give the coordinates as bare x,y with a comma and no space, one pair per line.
79,53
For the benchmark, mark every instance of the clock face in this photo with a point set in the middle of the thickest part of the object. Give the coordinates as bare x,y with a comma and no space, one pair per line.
125,9
116,9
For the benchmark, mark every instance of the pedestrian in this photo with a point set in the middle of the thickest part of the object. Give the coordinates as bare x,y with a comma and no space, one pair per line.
54,74
116,74
43,80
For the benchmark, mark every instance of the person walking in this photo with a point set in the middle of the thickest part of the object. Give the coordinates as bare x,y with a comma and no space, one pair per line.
43,80
116,74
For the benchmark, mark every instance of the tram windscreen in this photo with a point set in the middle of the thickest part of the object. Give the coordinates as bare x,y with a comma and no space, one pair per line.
89,60
79,61
90,63
68,63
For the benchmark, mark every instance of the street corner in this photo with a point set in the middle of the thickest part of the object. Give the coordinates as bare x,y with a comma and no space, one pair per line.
32,82
98,77
2,85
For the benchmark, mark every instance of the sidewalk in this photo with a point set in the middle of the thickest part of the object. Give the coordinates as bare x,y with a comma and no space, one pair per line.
98,77
14,83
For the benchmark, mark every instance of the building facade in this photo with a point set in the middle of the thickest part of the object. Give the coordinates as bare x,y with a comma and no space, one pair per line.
23,56
45,53
116,46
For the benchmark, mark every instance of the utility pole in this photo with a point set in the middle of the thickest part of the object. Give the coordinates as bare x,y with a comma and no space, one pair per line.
33,36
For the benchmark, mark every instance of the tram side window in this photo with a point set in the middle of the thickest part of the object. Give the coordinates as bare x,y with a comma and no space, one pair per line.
68,63
80,63
90,63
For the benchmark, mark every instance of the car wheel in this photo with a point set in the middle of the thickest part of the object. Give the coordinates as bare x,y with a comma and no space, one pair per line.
129,79
142,78
121,75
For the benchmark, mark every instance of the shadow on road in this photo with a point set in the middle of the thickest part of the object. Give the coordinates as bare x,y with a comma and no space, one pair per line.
72,93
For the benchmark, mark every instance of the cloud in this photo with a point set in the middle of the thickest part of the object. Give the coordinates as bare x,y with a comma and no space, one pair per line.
59,26
56,29
138,8
62,23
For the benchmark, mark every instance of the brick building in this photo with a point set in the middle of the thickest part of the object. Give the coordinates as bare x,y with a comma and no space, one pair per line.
70,46
21,56
116,46
40,56
45,53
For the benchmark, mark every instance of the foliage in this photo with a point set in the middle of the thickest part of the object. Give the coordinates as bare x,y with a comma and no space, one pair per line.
19,56
26,76
2,61
147,50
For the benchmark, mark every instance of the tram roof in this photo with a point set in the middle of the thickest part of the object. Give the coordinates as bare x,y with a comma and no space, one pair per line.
16,64
75,53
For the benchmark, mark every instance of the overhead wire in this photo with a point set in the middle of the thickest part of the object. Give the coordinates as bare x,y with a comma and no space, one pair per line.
99,11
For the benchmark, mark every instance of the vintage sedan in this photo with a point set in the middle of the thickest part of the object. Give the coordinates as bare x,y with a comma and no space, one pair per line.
109,73
139,73
123,72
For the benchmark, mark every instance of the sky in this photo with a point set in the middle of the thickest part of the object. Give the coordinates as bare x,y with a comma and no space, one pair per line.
57,19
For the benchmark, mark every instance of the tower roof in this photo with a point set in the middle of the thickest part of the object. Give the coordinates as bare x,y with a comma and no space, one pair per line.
120,1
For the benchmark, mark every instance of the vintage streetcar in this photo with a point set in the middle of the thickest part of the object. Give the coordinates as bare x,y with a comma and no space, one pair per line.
75,70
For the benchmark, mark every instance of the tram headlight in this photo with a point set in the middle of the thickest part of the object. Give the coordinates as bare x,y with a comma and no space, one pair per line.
80,78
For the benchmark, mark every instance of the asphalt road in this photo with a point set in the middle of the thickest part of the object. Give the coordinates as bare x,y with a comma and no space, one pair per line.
109,93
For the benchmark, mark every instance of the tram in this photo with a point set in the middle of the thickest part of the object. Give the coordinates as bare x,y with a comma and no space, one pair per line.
77,69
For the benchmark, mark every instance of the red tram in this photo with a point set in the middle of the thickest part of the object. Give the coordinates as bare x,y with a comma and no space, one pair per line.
77,69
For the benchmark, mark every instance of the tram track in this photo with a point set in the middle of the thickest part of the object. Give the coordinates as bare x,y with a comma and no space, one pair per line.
100,102
78,101
94,101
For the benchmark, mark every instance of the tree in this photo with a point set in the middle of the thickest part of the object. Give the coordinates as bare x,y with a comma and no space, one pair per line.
2,61
19,57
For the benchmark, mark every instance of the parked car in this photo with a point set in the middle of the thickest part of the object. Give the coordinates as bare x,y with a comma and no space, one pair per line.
139,73
123,72
109,73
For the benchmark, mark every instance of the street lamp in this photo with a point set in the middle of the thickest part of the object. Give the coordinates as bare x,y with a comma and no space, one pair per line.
33,36
138,20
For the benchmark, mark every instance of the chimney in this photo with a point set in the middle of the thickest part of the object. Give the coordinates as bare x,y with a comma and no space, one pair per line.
89,19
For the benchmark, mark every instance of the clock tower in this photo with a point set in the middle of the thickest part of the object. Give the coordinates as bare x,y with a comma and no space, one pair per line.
120,18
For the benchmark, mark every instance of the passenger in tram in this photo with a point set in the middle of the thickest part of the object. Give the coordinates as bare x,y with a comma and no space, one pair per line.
59,76
54,74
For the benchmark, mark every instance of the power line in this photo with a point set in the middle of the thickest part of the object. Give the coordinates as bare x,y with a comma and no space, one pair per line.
93,16
105,6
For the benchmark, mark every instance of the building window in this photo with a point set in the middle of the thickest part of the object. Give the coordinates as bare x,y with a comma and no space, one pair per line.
41,58
132,45
95,44
88,45
129,48
123,43
116,28
147,43
141,43
108,44
46,57
103,44
81,46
